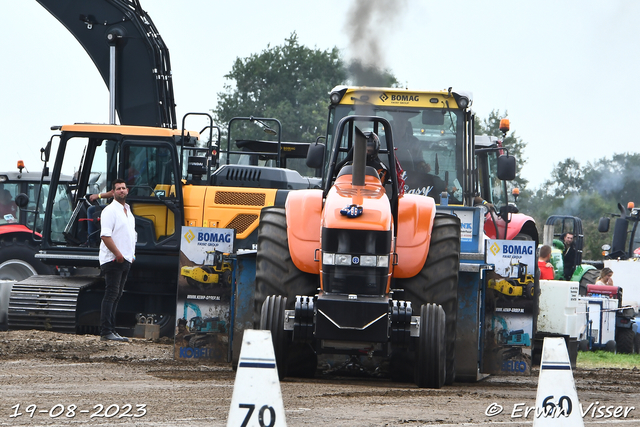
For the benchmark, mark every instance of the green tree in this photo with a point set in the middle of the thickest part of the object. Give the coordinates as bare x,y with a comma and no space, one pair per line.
288,82
567,178
291,83
617,178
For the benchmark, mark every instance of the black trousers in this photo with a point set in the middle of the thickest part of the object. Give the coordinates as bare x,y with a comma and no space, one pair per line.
115,275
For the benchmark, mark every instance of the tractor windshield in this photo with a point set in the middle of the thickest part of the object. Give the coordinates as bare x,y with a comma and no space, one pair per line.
428,142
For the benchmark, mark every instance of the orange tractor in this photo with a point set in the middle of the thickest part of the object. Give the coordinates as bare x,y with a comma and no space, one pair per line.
360,269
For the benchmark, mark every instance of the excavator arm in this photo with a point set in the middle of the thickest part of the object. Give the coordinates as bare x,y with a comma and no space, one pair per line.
141,85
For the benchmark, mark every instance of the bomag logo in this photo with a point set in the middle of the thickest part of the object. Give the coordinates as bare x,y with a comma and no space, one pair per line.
517,250
214,237
400,98
495,249
189,236
405,98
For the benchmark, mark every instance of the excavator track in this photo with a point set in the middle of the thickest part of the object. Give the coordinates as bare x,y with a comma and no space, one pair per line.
46,302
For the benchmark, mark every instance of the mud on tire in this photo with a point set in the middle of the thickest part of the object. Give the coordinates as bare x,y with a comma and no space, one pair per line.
437,282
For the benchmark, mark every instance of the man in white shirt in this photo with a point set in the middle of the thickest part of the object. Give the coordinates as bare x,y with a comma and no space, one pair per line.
117,252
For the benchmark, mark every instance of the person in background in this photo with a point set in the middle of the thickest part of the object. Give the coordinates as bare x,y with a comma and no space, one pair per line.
7,205
606,277
546,268
569,255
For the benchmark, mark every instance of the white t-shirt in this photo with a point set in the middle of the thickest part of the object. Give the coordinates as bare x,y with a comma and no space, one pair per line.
121,228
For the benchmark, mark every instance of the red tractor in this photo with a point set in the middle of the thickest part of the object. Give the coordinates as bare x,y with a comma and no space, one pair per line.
22,196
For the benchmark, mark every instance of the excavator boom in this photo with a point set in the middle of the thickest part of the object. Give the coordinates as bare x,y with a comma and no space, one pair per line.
143,86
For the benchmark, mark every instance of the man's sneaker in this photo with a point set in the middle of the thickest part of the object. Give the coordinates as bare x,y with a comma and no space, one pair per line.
124,339
113,337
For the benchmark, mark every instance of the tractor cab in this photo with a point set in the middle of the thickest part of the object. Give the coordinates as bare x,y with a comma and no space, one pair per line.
437,150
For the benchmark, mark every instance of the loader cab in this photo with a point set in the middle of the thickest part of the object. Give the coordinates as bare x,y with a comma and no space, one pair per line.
433,136
96,155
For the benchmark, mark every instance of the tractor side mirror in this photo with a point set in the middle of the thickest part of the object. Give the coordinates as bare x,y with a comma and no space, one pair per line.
506,167
603,224
22,200
315,155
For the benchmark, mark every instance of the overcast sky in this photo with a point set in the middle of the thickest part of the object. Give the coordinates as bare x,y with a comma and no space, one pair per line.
565,71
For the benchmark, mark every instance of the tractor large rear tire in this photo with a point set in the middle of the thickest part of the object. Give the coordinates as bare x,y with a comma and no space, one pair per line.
624,340
276,274
18,261
437,282
431,355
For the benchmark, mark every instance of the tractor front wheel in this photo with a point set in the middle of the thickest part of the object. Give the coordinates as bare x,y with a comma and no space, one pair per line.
437,282
431,357
276,274
18,260
272,319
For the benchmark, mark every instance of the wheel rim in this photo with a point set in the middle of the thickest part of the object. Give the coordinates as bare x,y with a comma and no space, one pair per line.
15,269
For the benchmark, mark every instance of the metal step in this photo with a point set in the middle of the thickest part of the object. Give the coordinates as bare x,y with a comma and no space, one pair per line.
46,302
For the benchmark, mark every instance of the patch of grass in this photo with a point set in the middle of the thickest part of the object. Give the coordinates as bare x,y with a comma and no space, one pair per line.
605,359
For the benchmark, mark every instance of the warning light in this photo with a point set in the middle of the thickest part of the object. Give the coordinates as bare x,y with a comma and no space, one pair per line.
504,125
20,165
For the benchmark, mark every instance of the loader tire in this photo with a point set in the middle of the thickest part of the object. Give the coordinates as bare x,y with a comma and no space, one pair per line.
18,261
437,282
276,274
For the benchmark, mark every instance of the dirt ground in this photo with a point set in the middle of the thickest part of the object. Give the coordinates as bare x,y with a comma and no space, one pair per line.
46,373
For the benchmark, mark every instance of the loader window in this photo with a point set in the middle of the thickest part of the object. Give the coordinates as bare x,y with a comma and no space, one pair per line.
61,213
148,170
67,206
84,164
